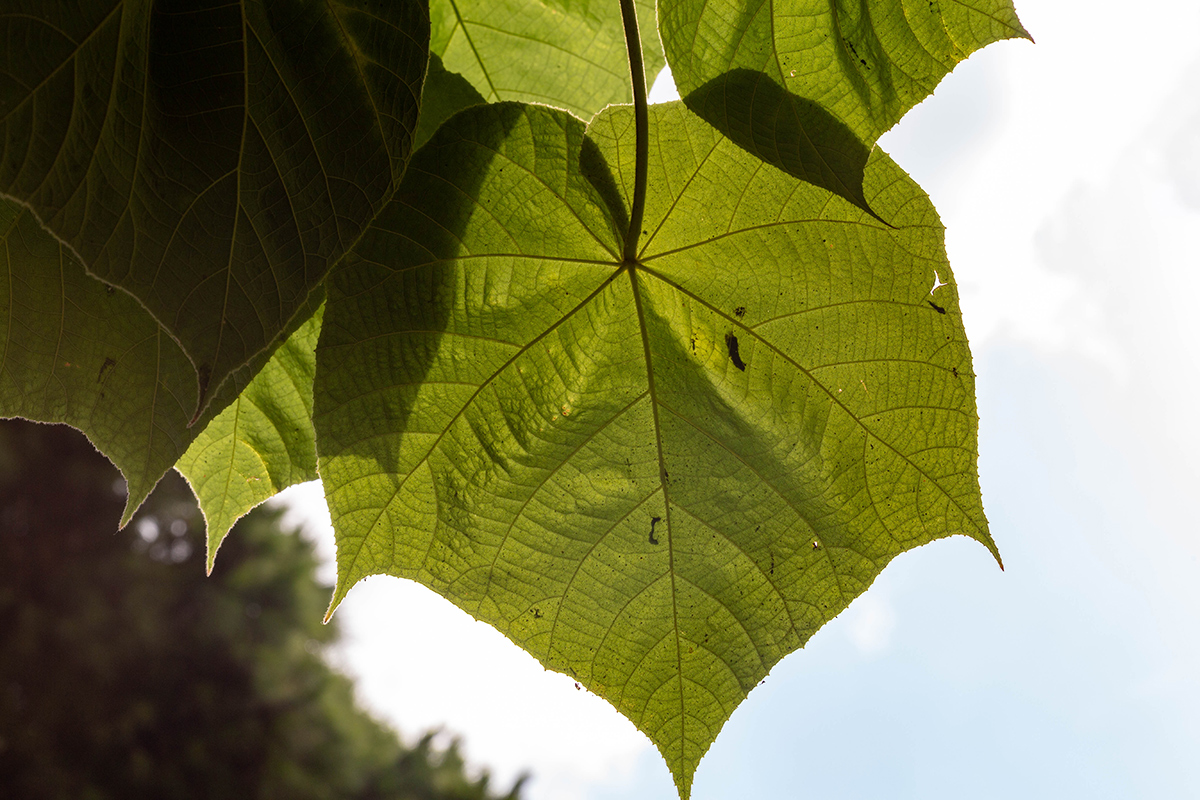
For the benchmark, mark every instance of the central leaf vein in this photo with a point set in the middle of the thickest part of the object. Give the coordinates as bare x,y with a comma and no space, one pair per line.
664,479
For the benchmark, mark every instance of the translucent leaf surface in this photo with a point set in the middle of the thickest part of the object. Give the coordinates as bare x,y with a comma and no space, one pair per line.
259,445
566,53
663,476
210,158
78,352
866,63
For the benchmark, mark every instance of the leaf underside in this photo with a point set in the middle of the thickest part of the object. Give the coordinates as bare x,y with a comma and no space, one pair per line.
565,53
866,63
260,444
76,351
809,85
212,159
659,477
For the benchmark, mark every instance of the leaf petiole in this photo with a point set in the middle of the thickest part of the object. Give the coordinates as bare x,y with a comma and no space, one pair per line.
641,121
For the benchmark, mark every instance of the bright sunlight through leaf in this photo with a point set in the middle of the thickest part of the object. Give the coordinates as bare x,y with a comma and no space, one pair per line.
661,476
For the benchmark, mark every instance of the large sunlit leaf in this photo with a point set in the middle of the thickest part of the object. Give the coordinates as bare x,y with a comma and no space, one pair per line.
261,444
211,158
658,477
567,53
865,63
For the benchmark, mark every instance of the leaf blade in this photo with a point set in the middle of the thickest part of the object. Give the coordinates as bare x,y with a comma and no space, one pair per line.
79,353
211,159
863,64
649,476
259,445
566,54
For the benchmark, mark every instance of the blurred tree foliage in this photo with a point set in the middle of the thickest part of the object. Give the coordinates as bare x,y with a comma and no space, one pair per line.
126,673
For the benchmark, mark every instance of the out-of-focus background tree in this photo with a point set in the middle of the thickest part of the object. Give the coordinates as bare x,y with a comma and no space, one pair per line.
126,673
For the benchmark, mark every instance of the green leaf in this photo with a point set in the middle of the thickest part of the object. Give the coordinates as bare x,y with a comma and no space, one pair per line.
213,159
792,133
445,93
658,477
75,351
866,63
566,53
261,444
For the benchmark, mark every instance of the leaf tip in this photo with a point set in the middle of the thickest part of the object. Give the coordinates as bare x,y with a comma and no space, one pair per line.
212,545
990,544
133,501
339,594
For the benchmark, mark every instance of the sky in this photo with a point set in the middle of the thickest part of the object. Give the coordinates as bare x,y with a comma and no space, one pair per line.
1067,173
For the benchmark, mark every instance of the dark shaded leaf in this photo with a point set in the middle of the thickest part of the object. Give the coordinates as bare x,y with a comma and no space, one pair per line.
212,159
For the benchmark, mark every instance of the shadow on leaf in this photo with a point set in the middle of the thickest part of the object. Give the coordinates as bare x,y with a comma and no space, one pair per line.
789,132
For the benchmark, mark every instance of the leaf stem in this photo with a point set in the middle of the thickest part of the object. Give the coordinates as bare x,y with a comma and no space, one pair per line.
641,119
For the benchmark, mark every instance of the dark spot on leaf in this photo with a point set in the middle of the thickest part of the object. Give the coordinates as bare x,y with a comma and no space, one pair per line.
936,307
109,289
731,342
654,521
739,312
955,371
108,364
537,613
772,570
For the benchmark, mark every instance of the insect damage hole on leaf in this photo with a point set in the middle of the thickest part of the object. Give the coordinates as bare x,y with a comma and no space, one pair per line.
937,282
